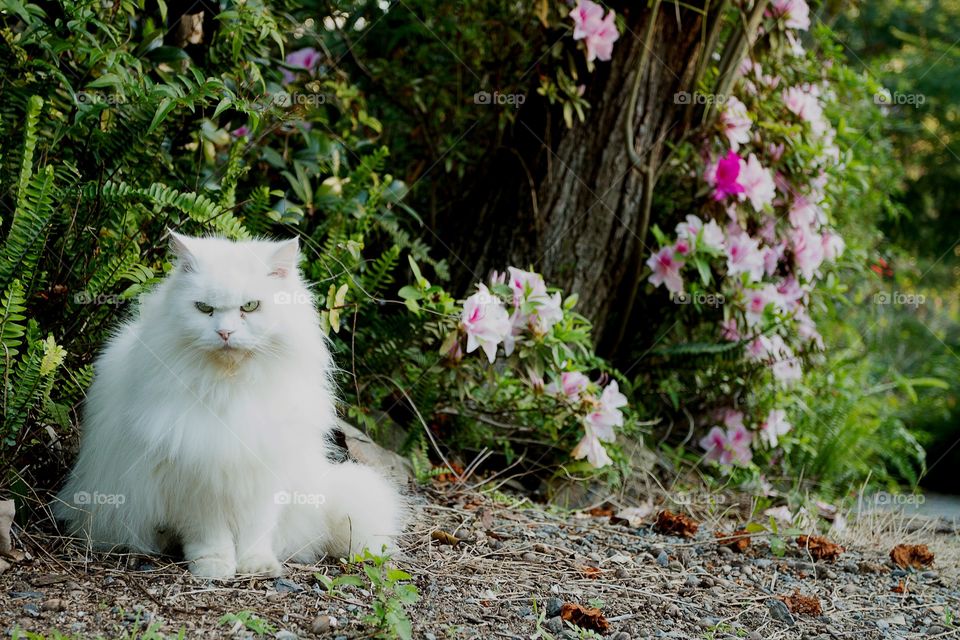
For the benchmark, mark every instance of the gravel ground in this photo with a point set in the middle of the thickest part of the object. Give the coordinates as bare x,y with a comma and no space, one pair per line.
512,568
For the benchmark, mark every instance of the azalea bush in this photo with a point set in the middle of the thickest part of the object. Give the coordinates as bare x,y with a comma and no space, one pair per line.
765,258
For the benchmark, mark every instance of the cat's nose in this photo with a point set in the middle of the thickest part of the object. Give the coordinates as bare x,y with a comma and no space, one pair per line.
224,333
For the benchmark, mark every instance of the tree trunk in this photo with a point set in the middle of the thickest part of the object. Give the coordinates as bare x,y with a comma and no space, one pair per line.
570,203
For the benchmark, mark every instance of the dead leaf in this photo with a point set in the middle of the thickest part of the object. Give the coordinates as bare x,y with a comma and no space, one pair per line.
603,511
739,540
7,512
917,556
542,9
675,524
584,617
820,548
805,605
590,572
485,517
632,516
444,474
445,538
900,588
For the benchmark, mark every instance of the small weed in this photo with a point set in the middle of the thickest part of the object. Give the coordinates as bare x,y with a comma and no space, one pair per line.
391,590
249,620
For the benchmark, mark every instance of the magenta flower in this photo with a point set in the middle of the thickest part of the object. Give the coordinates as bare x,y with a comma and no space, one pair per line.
666,270
598,32
724,175
306,59
240,132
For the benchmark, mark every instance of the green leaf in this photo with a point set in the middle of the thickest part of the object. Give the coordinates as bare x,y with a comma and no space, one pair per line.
163,110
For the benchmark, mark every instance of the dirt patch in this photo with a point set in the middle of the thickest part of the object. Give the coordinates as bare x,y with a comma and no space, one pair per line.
510,573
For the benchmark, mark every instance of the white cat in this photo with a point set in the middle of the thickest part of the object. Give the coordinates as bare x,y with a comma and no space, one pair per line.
208,422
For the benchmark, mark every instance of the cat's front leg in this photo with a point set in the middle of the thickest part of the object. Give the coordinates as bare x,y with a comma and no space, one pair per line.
255,549
210,551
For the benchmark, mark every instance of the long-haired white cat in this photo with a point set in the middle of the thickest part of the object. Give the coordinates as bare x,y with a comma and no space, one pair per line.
208,422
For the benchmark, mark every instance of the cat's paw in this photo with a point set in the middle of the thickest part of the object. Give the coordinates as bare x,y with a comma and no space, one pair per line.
262,564
213,567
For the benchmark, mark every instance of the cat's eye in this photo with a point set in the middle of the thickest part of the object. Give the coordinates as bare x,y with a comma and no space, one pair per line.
203,307
253,305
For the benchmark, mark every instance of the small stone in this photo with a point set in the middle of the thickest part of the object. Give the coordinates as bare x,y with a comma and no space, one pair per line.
753,635
623,635
779,611
692,581
622,573
763,563
553,606
54,604
429,636
707,623
930,575
554,624
725,551
529,557
494,544
283,634
283,585
323,624
673,611
663,559
883,625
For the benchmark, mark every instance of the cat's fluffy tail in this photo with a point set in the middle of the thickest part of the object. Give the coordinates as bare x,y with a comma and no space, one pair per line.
354,508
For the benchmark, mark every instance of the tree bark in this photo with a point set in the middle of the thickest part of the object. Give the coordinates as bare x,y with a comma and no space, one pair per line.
570,202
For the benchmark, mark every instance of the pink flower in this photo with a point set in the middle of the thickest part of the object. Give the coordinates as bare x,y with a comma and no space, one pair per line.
757,301
735,123
833,246
571,384
592,449
306,59
729,330
666,270
771,258
796,13
485,321
240,132
693,227
773,427
744,256
805,103
808,251
757,182
790,291
788,370
597,31
804,213
724,175
533,308
607,415
728,447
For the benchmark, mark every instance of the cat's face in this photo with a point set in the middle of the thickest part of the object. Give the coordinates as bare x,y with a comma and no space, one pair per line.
231,299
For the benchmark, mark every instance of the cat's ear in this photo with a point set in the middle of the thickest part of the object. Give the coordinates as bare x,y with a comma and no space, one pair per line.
180,247
284,259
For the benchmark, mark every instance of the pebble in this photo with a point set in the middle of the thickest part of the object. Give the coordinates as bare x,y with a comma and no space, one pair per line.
663,559
31,610
323,624
692,581
283,634
622,573
554,624
553,606
707,623
529,557
54,604
283,585
779,611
